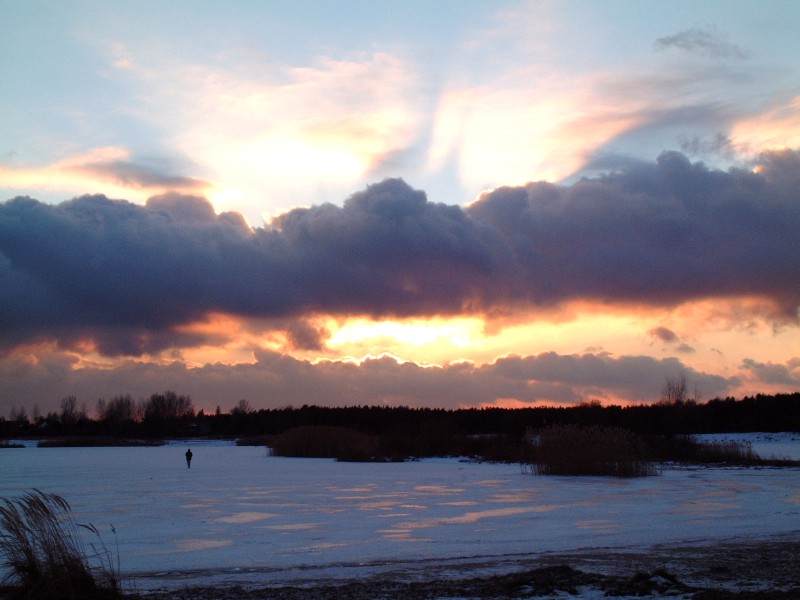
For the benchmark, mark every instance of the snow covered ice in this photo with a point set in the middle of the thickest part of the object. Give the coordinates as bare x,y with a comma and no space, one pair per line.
241,515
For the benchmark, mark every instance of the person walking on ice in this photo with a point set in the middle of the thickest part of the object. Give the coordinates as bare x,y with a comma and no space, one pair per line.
189,458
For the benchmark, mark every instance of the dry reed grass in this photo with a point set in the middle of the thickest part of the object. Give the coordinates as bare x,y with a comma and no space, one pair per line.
325,441
43,554
594,450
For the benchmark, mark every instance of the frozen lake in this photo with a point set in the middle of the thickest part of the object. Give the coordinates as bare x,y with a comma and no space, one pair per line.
242,515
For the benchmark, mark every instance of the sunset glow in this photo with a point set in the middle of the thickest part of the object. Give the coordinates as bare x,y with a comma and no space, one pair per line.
449,204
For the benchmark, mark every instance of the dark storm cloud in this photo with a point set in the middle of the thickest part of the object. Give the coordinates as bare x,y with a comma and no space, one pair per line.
659,233
110,271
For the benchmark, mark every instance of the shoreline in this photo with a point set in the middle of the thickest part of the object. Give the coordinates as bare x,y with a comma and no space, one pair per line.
767,568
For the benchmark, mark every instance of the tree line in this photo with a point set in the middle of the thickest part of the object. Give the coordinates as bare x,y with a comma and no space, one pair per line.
170,414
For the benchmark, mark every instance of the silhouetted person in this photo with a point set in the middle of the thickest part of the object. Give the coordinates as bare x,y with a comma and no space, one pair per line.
189,458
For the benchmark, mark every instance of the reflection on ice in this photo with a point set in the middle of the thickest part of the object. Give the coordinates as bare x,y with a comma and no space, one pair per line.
598,525
245,517
473,517
293,527
191,545
438,489
517,497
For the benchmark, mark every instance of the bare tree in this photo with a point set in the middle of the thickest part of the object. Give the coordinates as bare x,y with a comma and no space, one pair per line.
242,408
69,410
19,415
119,409
675,390
168,405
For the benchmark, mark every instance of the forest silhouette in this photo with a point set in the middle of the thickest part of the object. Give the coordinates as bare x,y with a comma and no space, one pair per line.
392,433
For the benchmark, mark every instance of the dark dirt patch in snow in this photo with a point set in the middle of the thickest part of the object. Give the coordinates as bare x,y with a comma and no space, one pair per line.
764,569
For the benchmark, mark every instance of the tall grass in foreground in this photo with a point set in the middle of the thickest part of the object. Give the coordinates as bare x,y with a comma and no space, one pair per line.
573,450
43,555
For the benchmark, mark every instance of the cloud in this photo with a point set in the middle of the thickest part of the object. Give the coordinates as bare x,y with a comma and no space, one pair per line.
718,145
667,336
776,128
124,277
530,116
786,375
659,233
112,168
602,376
276,379
267,129
188,209
304,336
134,175
517,133
703,42
664,334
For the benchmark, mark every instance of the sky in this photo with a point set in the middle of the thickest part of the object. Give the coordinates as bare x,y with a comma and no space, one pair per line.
445,204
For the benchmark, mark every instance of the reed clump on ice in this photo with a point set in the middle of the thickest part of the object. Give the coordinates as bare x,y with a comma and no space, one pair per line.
594,450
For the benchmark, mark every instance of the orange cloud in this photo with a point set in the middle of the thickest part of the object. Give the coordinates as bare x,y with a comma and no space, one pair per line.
775,129
110,170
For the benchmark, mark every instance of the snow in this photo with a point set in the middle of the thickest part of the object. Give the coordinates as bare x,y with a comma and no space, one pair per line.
766,445
240,515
